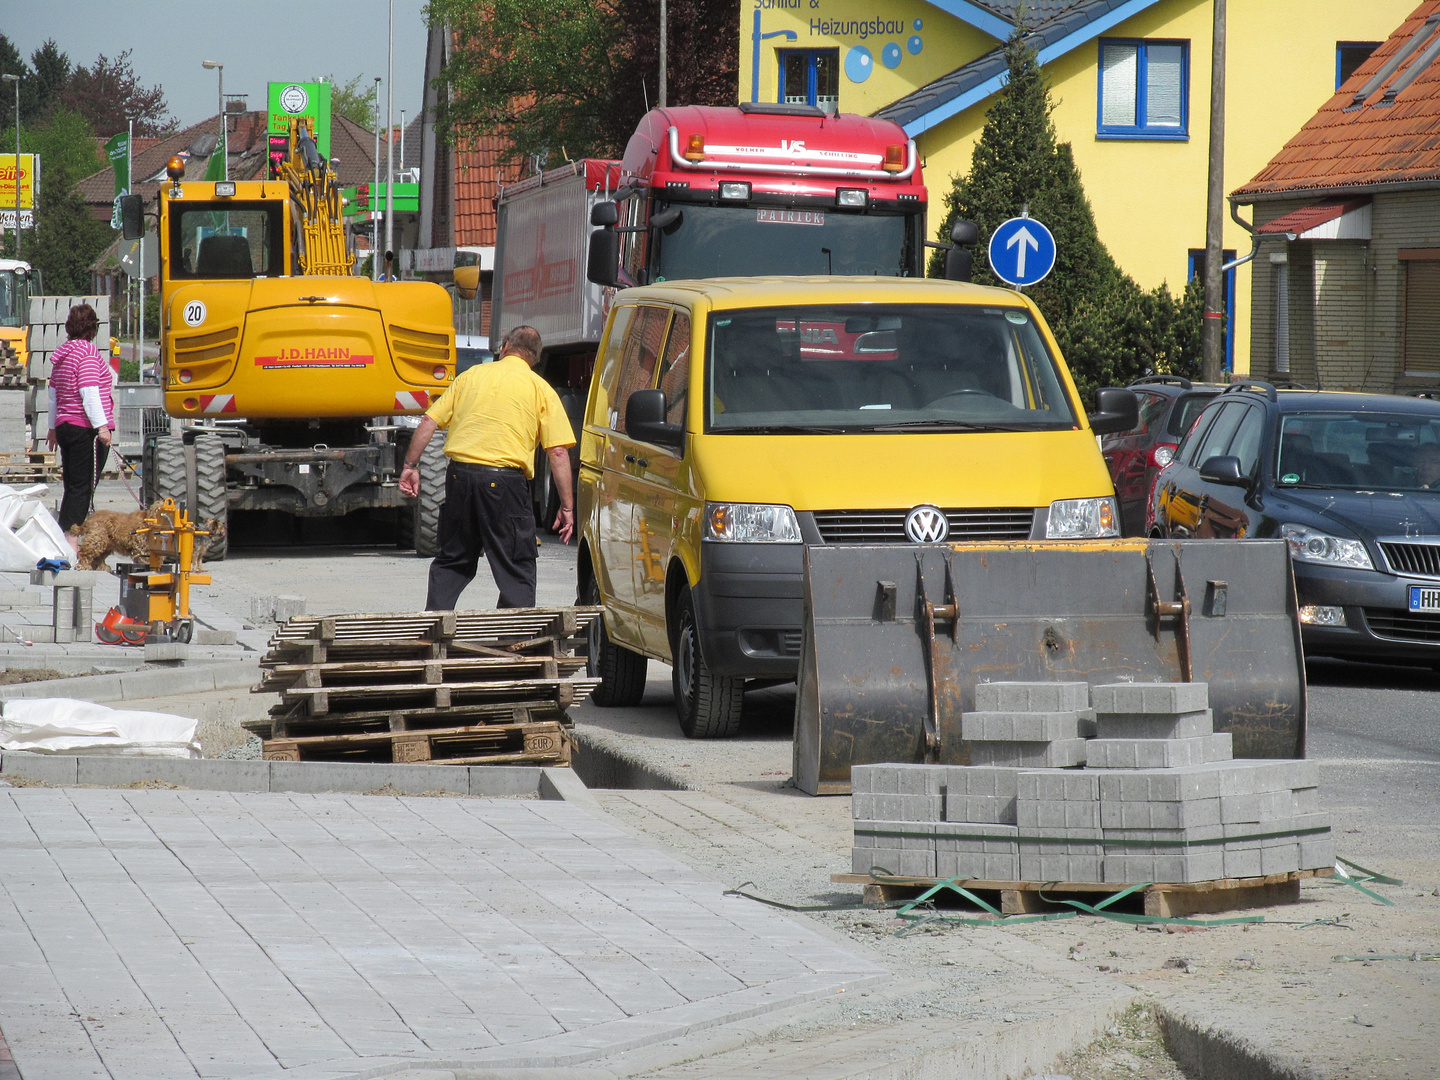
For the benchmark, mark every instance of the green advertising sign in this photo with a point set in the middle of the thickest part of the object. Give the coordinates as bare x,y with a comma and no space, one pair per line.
118,151
357,199
302,99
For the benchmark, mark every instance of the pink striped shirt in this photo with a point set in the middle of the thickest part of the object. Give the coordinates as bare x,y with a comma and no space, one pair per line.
73,365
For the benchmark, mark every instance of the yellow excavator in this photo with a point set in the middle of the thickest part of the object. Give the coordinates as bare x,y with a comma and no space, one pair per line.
287,371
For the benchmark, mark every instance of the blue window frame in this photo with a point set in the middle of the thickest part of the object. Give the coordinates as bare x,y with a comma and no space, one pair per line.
1195,268
1349,55
1144,89
810,77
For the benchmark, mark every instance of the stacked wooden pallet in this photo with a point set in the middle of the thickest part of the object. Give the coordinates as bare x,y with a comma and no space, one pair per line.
469,687
24,468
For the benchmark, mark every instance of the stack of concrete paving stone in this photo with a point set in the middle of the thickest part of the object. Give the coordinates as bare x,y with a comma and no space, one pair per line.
1158,799
46,333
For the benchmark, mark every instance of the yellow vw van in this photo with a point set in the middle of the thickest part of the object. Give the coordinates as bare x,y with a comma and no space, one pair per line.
733,421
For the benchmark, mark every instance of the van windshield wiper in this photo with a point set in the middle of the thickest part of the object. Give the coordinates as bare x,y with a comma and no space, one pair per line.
951,425
785,429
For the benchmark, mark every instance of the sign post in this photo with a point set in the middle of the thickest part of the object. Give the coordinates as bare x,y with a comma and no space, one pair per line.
1022,251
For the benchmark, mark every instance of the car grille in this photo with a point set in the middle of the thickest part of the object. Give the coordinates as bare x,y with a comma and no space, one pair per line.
1403,625
1420,560
790,641
888,526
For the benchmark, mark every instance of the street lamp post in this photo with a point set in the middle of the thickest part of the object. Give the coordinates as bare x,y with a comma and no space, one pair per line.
16,80
219,67
390,146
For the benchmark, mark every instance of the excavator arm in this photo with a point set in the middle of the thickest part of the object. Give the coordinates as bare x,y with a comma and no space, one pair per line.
319,241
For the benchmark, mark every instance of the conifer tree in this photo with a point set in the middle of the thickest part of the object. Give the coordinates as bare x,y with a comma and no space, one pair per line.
66,239
1109,329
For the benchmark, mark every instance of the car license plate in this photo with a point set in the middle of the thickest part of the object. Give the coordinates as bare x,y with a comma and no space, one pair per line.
1424,598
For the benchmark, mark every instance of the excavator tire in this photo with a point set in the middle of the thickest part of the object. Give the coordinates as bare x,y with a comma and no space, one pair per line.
169,480
432,498
211,503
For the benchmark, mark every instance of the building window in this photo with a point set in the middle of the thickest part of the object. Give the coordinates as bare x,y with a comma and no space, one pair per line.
1422,310
1196,268
1144,89
810,77
1349,55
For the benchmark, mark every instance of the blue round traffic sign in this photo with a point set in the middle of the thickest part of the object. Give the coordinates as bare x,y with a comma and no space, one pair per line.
1022,251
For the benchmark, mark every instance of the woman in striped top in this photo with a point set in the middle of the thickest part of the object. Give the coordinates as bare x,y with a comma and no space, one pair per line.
82,414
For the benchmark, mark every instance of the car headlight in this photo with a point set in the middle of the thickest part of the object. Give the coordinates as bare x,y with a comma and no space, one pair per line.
1082,519
1313,546
751,523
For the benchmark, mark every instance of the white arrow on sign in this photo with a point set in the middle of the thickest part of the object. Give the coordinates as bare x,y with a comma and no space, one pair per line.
1026,239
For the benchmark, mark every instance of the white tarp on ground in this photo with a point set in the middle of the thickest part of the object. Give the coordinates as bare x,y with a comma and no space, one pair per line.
27,531
67,726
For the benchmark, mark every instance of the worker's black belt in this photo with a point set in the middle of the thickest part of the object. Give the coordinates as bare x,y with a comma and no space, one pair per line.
470,466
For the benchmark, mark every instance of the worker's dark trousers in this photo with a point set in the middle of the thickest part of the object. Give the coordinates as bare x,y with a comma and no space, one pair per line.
82,457
486,510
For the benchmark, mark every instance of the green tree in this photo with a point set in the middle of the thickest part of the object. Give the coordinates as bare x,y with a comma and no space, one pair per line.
52,71
1109,329
66,239
354,100
62,136
575,76
108,93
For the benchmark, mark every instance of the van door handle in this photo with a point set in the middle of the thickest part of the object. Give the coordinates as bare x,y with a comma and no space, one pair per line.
629,459
642,462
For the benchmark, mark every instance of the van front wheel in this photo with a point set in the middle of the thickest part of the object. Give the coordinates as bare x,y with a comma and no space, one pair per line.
707,705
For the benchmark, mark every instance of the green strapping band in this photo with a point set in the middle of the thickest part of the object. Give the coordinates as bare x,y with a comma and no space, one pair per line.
1120,916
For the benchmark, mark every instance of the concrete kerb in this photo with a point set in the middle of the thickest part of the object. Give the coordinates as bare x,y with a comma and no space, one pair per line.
132,685
606,760
300,777
1207,1050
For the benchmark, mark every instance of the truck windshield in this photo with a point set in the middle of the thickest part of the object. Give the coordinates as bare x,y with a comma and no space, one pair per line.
240,240
749,241
14,298
878,367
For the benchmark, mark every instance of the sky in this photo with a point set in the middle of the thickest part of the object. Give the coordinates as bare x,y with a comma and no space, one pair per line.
259,41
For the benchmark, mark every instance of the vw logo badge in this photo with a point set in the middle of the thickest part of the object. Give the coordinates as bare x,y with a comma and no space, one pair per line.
926,525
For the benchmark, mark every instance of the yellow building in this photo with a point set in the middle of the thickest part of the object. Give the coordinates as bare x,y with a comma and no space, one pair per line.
1130,80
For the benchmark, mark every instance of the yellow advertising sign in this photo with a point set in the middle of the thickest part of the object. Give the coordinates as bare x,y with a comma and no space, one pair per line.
7,182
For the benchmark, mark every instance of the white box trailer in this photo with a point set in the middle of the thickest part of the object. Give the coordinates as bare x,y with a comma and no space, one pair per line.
542,235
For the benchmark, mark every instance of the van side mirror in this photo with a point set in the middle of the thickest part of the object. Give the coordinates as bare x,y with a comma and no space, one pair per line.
604,215
964,232
132,216
959,264
603,263
645,420
1224,470
1119,410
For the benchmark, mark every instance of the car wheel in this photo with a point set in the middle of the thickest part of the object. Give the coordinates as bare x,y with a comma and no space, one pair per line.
707,705
620,671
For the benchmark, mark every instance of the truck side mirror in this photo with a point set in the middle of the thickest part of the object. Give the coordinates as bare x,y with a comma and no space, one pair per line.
645,420
604,215
959,264
1119,410
603,264
964,232
665,218
132,216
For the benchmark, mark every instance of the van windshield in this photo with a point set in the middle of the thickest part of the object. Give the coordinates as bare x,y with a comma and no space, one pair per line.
871,367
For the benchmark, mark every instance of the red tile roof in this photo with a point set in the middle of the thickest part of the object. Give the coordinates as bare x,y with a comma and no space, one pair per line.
1312,216
1386,137
479,172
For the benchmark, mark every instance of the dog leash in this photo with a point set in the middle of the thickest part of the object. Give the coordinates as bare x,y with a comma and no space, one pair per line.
125,464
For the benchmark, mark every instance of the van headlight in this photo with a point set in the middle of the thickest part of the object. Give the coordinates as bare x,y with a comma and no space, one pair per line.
751,523
1082,519
1313,546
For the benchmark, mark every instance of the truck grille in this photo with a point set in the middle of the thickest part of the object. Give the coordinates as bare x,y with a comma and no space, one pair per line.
1403,626
888,526
419,346
197,348
1421,560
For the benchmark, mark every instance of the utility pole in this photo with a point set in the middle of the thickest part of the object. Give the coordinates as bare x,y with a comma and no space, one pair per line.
390,147
663,35
375,194
1212,335
223,147
16,80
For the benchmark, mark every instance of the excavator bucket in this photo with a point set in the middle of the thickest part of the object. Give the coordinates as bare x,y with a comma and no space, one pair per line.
897,637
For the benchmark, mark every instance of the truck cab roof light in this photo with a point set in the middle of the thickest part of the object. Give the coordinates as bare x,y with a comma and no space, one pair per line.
175,168
225,189
852,197
894,158
695,148
734,190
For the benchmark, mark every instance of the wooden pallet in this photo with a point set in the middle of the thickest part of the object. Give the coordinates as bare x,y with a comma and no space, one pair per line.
490,744
317,639
282,677
1167,900
293,722
29,467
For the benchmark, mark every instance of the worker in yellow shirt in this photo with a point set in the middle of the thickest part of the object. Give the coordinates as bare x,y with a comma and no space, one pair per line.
494,415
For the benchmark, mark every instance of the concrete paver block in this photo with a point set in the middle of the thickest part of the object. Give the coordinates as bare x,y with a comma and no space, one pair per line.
105,770
1150,698
988,852
314,777
1156,753
1161,814
919,779
1062,753
166,651
1058,784
1020,726
984,809
1190,867
1155,726
1031,696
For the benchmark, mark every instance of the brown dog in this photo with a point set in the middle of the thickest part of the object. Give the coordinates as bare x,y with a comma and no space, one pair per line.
108,532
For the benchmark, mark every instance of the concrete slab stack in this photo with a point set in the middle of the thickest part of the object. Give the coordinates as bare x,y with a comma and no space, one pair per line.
1157,798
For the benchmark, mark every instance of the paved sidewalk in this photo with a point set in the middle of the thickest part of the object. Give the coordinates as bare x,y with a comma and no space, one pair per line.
156,934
